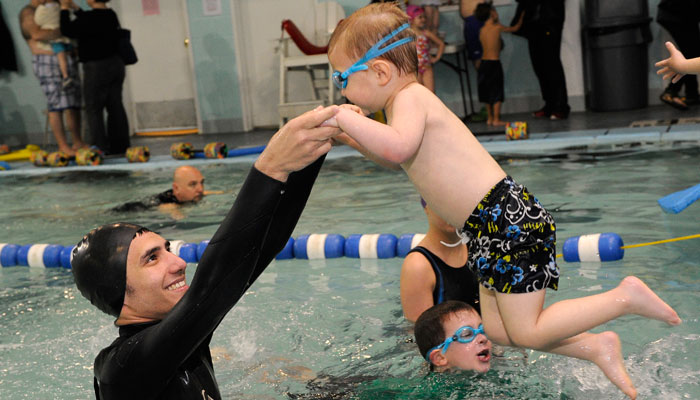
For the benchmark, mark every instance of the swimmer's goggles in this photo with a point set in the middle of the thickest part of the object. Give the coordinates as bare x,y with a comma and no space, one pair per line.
340,80
465,334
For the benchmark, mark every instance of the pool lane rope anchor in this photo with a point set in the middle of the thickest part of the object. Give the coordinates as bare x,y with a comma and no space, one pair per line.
587,248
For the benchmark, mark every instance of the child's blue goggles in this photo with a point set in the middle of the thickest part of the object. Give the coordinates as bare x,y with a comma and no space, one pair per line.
465,334
340,80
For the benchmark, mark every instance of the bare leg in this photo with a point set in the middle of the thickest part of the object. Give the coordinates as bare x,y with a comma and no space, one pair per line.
497,114
432,18
602,349
429,79
489,112
73,122
56,123
420,78
528,325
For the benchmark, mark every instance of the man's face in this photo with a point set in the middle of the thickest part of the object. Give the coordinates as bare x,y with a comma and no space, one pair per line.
188,185
476,355
155,277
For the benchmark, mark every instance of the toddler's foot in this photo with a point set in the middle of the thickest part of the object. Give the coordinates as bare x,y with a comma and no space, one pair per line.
608,358
643,301
68,83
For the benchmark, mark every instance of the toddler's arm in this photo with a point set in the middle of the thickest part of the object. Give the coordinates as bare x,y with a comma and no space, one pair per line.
515,27
676,65
395,143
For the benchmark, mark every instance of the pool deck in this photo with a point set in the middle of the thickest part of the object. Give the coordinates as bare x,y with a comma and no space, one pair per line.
582,134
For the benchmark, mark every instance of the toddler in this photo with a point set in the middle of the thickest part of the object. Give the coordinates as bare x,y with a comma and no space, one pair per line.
511,237
48,16
677,65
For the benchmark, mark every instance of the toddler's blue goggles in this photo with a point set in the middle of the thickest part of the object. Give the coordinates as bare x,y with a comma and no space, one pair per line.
340,80
465,334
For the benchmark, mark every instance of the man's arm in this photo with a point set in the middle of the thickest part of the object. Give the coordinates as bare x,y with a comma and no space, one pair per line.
253,232
32,31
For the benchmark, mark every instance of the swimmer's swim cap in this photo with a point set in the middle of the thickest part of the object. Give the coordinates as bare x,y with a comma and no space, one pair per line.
99,265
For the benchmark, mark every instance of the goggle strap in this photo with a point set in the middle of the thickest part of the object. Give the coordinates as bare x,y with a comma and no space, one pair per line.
375,51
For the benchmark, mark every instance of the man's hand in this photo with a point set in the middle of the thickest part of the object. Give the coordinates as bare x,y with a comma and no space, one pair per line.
297,144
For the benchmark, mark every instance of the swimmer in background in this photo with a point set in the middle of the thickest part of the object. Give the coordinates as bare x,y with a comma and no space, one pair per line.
188,187
511,237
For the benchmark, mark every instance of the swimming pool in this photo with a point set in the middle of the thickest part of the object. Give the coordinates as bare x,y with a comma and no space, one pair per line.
333,328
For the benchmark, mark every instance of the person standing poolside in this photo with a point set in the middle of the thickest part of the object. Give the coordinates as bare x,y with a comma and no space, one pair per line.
61,102
511,235
434,272
165,326
96,31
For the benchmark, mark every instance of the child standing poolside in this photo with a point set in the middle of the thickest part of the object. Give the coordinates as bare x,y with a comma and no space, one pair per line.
450,335
490,73
423,39
48,16
511,236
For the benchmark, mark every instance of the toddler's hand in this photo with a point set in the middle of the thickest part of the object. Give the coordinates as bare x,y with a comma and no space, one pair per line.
674,66
352,107
330,122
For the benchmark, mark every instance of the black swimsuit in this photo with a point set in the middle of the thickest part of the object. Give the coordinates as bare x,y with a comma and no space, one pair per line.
452,283
170,359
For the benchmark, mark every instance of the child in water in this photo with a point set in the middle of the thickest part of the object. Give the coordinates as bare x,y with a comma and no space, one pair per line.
511,236
450,335
426,75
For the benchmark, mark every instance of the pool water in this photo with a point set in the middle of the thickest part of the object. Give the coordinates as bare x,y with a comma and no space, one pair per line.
320,329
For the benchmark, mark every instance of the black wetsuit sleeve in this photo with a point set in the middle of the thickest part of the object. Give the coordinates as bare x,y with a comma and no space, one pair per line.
255,230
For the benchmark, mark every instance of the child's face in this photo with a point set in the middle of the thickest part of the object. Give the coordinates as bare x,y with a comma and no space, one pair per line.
475,355
359,88
419,21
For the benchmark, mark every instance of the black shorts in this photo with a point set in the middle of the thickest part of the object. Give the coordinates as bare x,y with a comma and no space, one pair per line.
490,82
512,242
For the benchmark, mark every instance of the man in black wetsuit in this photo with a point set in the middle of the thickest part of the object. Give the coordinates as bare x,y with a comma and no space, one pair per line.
165,326
188,187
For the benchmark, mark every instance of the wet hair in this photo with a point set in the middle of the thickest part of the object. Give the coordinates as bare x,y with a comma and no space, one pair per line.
367,26
483,11
429,329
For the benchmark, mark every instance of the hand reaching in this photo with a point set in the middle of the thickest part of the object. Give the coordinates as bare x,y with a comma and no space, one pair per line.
675,66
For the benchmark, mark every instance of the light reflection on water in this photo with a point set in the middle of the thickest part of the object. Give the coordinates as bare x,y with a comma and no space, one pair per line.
324,328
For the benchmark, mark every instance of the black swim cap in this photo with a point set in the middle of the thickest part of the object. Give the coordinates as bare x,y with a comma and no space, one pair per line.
99,265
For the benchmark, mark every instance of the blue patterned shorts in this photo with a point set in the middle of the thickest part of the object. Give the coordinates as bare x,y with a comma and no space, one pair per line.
512,242
48,72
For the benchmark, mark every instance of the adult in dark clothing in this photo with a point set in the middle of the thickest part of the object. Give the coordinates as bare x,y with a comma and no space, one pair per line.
103,72
188,187
681,18
8,58
542,26
433,272
165,326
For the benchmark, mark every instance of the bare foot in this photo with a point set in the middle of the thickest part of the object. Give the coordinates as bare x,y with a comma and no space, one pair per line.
80,145
65,149
489,122
608,357
498,122
643,301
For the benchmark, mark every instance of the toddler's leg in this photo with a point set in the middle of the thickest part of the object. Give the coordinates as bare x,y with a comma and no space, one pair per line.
605,351
528,325
602,349
63,64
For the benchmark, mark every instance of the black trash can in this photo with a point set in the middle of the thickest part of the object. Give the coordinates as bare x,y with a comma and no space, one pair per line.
616,36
